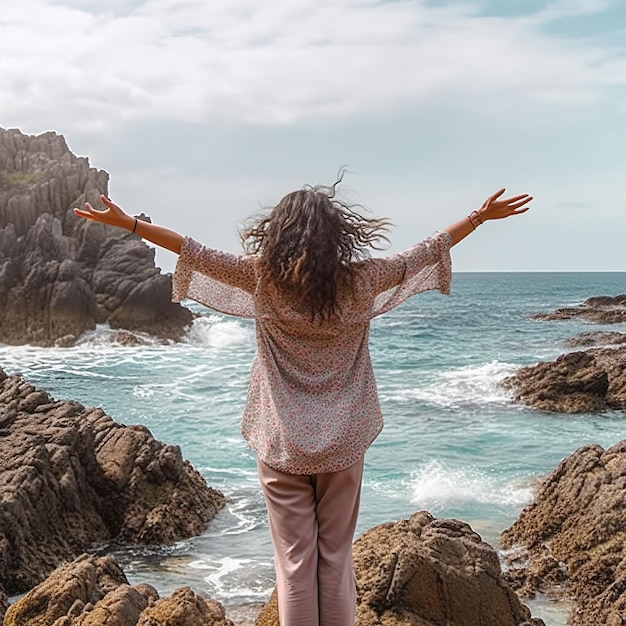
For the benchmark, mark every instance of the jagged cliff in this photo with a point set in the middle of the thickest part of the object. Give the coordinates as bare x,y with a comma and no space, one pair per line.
59,275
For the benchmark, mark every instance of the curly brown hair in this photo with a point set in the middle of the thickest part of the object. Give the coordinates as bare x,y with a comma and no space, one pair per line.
308,242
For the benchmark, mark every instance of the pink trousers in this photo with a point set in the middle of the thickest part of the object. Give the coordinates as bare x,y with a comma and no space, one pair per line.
312,520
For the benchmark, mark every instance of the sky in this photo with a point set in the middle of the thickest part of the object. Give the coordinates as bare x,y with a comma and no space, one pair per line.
205,111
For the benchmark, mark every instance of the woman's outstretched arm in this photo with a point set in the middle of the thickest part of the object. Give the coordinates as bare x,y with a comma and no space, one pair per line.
491,209
114,215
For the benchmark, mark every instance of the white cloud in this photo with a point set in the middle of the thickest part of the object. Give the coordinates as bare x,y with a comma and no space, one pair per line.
71,66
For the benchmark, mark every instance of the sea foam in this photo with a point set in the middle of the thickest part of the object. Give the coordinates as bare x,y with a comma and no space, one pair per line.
463,387
435,486
213,331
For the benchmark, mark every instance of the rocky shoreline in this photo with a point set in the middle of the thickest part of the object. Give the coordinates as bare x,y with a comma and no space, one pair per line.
571,541
73,479
593,379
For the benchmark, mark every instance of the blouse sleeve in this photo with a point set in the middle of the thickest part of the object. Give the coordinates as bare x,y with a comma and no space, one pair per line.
220,280
425,266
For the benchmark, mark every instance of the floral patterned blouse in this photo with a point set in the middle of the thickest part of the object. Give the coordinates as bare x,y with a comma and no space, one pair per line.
312,403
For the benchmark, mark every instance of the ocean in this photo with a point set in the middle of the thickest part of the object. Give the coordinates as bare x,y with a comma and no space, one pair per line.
454,443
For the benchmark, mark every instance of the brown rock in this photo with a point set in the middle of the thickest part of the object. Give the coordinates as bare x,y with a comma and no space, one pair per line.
596,338
573,383
90,586
599,310
572,539
184,608
427,572
577,382
70,478
93,591
61,275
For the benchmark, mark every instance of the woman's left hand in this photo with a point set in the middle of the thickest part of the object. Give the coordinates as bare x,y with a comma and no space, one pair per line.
494,208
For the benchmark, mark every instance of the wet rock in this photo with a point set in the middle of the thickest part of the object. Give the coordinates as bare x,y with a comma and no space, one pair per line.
61,275
598,310
427,572
596,338
573,383
576,382
93,591
71,478
85,586
185,608
571,541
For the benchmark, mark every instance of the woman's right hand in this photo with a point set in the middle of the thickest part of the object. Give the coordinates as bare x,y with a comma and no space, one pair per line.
113,215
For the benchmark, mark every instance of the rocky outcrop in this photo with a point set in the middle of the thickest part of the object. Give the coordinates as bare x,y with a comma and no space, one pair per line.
576,382
93,591
599,310
572,539
72,478
61,275
573,383
582,381
596,338
428,572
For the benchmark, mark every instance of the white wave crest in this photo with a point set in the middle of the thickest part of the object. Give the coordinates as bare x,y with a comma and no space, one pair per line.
465,386
434,487
231,577
215,332
104,336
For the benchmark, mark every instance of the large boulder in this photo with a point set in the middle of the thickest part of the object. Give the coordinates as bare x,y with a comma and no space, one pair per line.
427,572
61,275
571,541
71,478
573,383
184,608
576,382
93,591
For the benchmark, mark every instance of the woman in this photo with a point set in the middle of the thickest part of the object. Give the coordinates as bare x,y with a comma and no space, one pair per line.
312,408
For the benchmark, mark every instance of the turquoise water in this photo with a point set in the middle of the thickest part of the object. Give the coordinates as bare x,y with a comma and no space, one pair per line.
453,443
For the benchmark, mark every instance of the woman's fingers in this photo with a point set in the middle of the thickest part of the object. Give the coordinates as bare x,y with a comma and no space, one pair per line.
494,208
95,211
110,214
516,202
110,205
523,196
90,213
81,213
